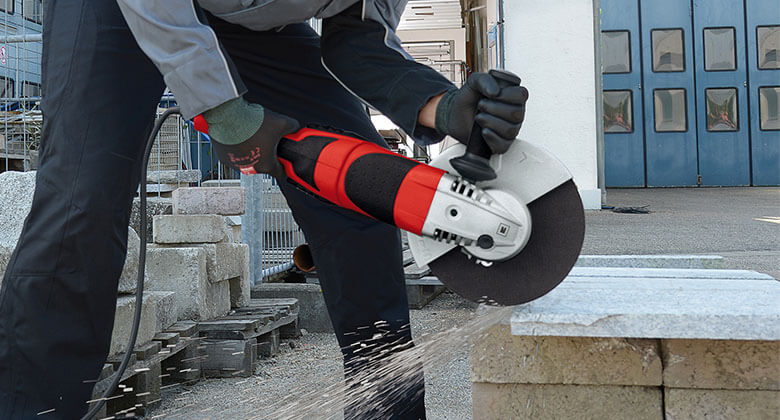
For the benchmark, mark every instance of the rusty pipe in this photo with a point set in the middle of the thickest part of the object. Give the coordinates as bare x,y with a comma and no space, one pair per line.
303,259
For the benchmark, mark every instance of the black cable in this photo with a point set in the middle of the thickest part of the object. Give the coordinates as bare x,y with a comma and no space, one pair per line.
139,292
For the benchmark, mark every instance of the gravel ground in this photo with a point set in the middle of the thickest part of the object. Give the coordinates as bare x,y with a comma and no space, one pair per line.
314,363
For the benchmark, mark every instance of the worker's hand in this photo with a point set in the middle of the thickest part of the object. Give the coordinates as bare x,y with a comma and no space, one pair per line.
229,125
500,112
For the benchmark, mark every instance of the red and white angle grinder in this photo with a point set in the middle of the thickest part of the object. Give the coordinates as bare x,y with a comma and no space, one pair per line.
502,229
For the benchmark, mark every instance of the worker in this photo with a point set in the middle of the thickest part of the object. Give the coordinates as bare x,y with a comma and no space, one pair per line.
254,72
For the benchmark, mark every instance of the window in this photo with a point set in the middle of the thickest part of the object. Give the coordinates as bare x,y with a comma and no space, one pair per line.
719,49
30,89
670,112
768,47
722,109
31,10
616,52
769,107
668,50
618,111
7,87
7,6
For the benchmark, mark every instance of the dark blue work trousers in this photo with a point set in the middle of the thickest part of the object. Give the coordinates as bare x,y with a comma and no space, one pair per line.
100,96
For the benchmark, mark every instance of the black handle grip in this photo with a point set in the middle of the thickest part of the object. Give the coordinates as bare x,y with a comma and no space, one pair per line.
474,165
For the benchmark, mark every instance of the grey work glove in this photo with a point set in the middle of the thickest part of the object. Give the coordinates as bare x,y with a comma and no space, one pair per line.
500,112
245,136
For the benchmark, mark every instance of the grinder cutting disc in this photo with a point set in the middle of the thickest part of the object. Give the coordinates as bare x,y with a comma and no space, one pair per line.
557,232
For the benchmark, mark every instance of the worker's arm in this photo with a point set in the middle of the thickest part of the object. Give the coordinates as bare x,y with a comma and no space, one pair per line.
186,51
361,50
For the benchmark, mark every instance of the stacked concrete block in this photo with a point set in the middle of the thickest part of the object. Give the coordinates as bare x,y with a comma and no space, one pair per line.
195,253
166,182
157,314
618,347
16,194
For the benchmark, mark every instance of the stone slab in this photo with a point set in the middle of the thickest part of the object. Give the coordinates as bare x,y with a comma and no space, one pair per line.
154,206
165,308
313,315
656,307
16,194
184,271
651,261
173,177
241,286
666,273
722,364
696,404
221,183
227,201
123,322
555,402
189,229
500,357
128,280
160,188
224,261
5,258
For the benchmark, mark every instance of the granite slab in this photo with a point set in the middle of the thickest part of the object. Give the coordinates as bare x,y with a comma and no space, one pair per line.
655,307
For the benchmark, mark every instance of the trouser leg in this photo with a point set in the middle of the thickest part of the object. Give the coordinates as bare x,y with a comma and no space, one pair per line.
59,293
358,259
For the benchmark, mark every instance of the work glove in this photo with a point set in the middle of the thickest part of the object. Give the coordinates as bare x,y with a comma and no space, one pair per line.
500,112
245,136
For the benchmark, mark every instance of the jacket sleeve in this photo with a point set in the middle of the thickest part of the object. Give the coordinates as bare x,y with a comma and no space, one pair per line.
361,50
186,51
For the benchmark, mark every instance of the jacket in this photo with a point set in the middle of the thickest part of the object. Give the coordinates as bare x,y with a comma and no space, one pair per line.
359,48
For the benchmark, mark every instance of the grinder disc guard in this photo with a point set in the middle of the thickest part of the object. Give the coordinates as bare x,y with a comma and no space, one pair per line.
558,229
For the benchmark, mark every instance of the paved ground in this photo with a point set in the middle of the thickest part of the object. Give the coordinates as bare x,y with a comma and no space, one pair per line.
742,224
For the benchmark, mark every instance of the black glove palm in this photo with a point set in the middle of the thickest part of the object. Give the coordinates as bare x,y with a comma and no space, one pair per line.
257,154
500,112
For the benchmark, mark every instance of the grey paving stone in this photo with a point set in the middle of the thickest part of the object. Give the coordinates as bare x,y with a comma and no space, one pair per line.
173,177
189,229
16,194
676,307
651,261
227,201
129,277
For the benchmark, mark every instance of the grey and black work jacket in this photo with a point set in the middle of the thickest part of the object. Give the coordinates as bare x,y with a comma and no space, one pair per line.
359,48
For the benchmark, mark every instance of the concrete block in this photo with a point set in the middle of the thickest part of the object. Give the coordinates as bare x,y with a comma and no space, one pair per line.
555,402
672,307
722,364
16,194
500,357
189,229
160,188
5,258
227,201
123,322
313,315
165,307
234,226
154,206
173,177
184,271
221,183
129,277
229,358
695,404
224,260
241,286
651,261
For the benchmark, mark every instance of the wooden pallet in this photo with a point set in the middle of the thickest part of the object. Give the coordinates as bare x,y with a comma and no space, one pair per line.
233,343
170,358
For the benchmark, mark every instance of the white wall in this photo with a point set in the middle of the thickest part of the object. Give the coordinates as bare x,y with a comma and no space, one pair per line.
550,44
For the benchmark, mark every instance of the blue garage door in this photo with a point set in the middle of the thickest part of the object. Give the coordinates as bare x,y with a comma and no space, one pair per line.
691,92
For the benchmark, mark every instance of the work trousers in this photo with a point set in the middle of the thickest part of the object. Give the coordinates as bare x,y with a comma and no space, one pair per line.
100,95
